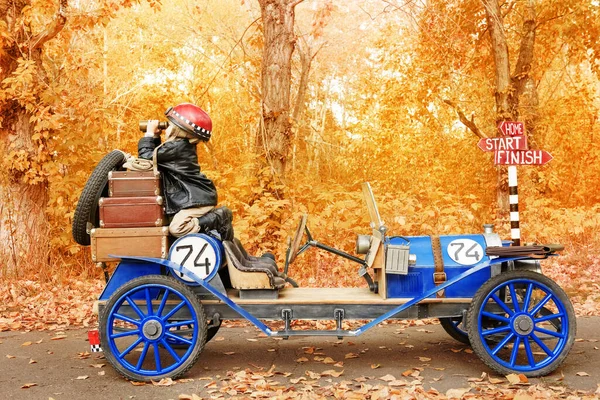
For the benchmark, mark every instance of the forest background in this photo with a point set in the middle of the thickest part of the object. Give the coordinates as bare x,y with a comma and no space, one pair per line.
396,93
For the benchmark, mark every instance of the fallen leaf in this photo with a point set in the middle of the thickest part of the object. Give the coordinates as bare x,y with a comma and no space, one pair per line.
97,365
82,377
331,372
582,374
495,381
456,350
229,353
408,372
468,351
294,381
185,397
302,360
32,361
388,378
58,337
9,356
28,385
513,379
219,339
424,359
312,375
137,383
328,360
398,383
271,350
375,366
523,396
40,341
164,382
351,355
252,340
339,364
101,373
457,393
26,344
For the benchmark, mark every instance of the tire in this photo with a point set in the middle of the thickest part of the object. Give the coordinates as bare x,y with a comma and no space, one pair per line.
212,332
124,329
455,328
532,336
96,186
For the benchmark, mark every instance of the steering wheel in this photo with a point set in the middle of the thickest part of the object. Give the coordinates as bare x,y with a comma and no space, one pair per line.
295,243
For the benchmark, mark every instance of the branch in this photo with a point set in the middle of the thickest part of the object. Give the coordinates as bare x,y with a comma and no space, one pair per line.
469,123
295,3
52,29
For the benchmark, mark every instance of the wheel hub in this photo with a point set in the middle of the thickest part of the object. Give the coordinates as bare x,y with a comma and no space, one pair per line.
523,325
152,329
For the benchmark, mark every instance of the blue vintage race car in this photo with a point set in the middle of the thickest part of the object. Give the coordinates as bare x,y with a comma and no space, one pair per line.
157,313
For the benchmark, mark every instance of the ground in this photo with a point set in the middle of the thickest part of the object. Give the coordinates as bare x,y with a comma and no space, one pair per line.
418,361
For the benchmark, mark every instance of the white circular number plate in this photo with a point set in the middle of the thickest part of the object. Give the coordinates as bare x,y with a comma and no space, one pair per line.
465,251
196,254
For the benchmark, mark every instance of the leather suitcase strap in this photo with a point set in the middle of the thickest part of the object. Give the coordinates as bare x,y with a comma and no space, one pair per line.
439,276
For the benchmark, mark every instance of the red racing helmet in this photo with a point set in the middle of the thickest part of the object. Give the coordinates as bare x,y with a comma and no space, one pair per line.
191,119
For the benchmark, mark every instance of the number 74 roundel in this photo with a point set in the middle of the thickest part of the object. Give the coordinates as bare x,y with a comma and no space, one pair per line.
197,252
465,251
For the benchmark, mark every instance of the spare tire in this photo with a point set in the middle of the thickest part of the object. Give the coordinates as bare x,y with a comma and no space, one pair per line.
96,187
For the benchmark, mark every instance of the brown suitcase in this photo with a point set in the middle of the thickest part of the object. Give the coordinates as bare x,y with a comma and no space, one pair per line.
141,242
133,183
131,212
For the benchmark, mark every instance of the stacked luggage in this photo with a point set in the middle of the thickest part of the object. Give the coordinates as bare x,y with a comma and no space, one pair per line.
132,218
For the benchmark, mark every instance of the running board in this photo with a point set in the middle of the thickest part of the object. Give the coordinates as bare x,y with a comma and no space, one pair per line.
339,334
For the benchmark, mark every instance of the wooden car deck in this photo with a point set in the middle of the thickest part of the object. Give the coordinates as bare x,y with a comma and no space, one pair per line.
329,296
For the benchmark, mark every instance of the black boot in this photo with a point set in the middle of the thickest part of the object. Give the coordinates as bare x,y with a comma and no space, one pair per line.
218,220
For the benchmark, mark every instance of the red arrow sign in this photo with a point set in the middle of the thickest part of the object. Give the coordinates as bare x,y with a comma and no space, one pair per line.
511,128
523,157
503,143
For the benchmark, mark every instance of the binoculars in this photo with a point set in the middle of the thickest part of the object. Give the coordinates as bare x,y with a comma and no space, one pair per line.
162,125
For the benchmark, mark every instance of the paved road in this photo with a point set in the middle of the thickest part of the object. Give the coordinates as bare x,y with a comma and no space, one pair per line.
55,365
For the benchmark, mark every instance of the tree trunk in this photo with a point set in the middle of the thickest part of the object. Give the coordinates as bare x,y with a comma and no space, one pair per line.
511,89
23,187
275,132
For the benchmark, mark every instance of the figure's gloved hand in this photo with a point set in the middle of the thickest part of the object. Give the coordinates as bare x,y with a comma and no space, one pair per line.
152,129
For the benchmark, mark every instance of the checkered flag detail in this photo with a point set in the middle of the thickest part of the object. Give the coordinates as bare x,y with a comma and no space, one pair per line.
96,348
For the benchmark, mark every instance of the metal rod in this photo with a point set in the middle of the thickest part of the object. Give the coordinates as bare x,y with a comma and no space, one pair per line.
337,252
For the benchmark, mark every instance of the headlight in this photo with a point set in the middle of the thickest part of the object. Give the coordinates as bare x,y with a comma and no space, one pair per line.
363,243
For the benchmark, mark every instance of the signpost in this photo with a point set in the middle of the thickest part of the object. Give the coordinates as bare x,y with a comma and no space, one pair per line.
503,143
512,150
512,128
523,157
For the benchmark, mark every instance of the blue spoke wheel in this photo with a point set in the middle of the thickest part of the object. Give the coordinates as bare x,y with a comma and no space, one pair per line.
143,320
534,324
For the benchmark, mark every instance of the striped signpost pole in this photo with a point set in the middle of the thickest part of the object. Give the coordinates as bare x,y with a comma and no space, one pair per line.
513,195
511,149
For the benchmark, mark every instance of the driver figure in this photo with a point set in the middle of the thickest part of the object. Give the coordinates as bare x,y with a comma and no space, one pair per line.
190,197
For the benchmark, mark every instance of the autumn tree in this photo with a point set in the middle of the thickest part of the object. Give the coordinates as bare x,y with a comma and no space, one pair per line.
24,135
275,132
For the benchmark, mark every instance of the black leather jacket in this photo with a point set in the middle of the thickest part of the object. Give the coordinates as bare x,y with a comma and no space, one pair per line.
183,184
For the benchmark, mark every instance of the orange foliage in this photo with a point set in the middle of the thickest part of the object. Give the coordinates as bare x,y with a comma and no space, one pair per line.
374,111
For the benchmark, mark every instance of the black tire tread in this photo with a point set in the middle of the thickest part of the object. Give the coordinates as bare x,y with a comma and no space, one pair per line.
472,313
88,201
453,332
161,279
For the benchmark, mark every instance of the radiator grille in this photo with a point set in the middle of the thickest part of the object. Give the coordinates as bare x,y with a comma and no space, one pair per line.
396,259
